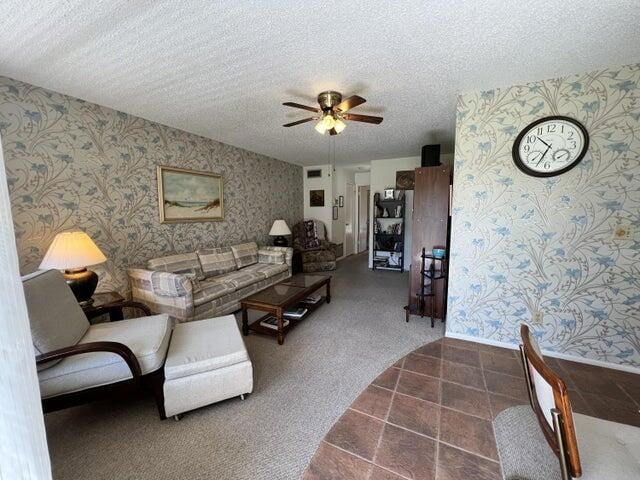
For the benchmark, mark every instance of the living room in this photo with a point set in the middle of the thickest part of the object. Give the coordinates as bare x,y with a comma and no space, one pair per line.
441,199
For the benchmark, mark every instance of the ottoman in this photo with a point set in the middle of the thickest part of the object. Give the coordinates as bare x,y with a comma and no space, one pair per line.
207,362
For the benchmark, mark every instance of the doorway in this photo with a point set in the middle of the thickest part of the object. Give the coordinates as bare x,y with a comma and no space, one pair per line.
363,219
350,227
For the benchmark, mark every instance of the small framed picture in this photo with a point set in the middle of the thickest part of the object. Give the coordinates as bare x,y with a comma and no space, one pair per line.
341,201
335,213
316,198
388,193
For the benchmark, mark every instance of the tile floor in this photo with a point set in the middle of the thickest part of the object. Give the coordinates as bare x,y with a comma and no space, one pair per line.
429,416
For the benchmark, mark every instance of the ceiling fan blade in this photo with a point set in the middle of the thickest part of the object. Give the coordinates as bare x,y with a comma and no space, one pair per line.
304,120
349,103
333,132
303,107
363,118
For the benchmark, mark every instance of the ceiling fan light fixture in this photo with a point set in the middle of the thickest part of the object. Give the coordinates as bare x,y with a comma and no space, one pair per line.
328,121
339,126
320,127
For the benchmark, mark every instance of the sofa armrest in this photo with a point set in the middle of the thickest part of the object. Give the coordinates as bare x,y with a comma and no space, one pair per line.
288,253
176,301
112,347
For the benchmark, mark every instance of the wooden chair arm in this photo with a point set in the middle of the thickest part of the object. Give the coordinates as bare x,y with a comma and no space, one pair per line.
90,347
96,312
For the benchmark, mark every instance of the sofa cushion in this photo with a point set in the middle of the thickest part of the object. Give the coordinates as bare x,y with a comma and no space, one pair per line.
241,278
245,254
184,263
216,261
147,337
268,271
271,256
210,289
203,346
56,319
317,256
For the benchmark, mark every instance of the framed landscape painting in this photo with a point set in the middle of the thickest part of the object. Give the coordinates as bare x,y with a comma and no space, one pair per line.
189,196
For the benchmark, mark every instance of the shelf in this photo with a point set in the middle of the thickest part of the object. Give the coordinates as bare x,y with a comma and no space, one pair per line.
388,234
389,218
390,201
387,251
380,267
311,307
437,277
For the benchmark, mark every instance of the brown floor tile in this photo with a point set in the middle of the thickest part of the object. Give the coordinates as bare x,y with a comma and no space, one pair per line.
597,382
356,433
578,403
469,433
329,463
373,401
421,364
454,464
633,390
381,474
507,352
399,363
433,349
417,415
629,382
463,374
500,403
456,342
461,355
406,453
613,410
387,379
506,385
421,386
501,364
467,400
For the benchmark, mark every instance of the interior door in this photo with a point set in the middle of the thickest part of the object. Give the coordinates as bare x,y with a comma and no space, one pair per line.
349,218
363,218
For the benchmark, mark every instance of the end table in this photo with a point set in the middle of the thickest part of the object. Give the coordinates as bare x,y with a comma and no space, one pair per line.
110,303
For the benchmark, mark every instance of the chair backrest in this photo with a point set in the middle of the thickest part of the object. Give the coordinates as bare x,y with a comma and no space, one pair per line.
56,319
308,229
547,392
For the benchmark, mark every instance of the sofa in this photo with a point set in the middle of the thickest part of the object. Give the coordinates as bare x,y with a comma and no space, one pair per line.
316,252
209,282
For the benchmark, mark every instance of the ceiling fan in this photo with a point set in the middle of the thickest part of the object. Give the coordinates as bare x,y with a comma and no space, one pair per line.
332,113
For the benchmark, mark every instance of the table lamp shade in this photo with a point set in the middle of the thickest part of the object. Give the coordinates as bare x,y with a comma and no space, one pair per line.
279,227
72,250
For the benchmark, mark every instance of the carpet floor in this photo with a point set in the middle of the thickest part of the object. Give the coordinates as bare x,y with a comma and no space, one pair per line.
300,390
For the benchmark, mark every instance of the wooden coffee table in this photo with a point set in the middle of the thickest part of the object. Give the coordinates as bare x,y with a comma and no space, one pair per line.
278,298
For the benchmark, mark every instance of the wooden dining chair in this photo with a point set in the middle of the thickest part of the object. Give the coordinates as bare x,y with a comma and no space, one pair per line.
550,401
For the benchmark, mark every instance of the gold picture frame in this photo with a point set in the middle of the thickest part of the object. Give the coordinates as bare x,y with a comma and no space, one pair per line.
189,195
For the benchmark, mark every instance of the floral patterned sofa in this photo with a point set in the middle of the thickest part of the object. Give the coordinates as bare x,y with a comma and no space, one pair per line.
310,239
210,282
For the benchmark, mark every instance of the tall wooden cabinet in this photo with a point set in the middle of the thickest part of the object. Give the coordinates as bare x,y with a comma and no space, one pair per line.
430,229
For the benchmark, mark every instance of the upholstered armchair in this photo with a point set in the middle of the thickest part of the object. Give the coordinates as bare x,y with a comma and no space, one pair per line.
310,242
78,362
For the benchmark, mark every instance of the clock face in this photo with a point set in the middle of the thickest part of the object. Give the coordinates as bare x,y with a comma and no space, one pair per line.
550,146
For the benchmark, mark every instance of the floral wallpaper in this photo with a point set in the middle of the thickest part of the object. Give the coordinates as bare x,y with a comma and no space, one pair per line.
544,250
73,164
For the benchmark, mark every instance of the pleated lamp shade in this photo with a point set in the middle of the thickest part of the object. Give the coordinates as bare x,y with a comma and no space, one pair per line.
71,250
279,227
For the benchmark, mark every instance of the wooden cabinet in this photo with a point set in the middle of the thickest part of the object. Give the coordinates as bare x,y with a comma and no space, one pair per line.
430,227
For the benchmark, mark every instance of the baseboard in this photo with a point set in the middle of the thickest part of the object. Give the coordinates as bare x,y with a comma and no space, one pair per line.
562,356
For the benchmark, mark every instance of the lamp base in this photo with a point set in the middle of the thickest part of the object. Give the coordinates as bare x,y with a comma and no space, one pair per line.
83,283
280,241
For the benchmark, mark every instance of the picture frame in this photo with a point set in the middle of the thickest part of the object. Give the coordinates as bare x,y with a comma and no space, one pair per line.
388,194
405,179
341,201
316,198
186,196
335,213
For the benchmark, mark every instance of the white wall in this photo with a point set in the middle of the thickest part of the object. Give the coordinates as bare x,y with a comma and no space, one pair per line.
362,178
322,183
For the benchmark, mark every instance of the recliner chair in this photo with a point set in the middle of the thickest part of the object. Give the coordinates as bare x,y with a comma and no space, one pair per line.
310,241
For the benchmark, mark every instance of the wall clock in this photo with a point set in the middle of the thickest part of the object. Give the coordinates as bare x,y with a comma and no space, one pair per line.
550,146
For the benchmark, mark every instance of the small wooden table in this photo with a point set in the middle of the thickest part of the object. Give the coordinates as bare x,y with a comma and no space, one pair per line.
277,298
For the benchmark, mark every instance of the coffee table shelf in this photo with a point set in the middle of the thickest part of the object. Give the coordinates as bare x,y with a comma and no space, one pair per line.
276,299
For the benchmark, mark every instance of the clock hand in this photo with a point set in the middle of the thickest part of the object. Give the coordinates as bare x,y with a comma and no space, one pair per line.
544,142
545,152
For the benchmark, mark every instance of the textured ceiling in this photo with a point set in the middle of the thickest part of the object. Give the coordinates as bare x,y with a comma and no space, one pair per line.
222,69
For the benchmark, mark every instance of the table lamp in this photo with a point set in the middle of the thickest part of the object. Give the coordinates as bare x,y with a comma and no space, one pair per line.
279,230
73,252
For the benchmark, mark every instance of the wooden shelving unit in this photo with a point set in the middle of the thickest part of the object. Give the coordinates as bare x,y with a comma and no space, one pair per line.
389,244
